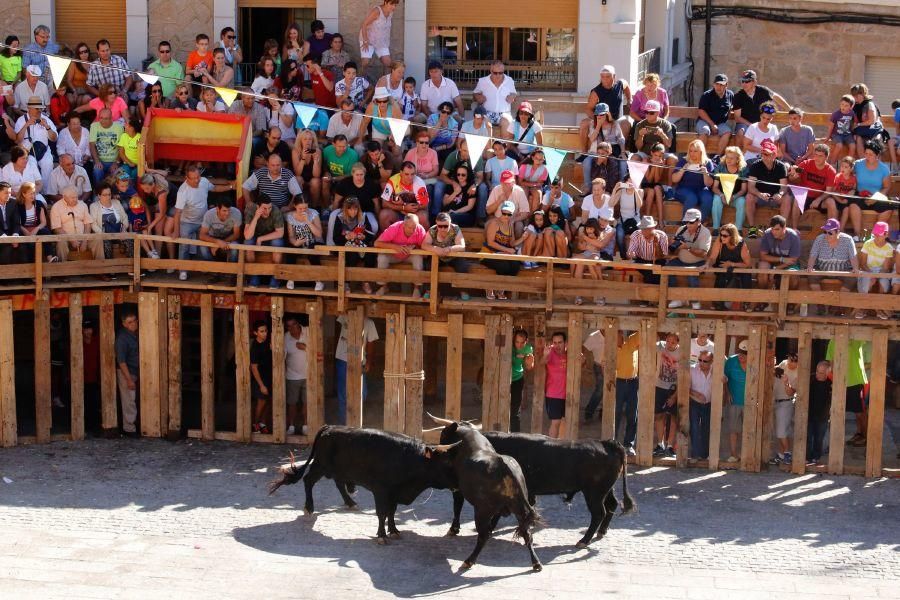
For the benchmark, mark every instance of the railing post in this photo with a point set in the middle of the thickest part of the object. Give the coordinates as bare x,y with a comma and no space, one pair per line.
173,359
435,284
42,389
136,252
718,392
548,301
207,369
875,428
8,423
242,375
76,367
540,373
239,281
148,382
38,268
840,358
341,282
278,396
663,307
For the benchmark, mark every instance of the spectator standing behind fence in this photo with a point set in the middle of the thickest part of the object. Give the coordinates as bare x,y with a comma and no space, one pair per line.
369,337
819,411
701,396
735,385
701,343
260,374
627,347
666,403
295,371
522,362
856,381
785,392
555,361
191,204
128,372
595,344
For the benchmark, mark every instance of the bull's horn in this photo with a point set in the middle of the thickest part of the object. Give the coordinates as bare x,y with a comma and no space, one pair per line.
446,447
438,420
441,428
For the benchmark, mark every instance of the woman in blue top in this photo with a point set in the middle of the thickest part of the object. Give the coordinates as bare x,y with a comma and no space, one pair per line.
692,180
443,138
872,177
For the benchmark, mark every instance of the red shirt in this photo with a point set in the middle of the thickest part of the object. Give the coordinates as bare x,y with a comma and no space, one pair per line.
322,95
555,383
816,179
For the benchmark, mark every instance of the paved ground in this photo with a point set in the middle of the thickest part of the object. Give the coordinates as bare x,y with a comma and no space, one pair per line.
136,518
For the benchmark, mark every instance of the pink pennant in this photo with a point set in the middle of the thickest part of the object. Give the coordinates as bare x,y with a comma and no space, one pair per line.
799,196
636,171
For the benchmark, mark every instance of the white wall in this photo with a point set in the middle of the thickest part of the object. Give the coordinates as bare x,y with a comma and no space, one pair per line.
137,27
225,14
415,38
43,12
328,12
607,35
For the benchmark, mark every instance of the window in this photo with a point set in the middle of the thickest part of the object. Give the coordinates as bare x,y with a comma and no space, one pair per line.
561,46
523,44
481,43
443,43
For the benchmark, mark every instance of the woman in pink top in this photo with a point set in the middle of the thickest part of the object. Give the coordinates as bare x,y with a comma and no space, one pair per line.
555,359
425,158
650,91
107,99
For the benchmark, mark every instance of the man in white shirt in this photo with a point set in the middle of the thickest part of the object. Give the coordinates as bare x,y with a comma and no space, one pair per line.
295,368
595,343
701,396
66,174
701,343
31,86
437,89
369,337
191,205
497,92
34,132
346,121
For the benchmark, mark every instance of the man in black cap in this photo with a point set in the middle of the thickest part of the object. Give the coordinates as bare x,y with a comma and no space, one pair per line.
437,89
713,112
747,102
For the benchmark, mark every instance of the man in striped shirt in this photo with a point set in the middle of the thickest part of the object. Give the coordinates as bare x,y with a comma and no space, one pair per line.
276,182
649,246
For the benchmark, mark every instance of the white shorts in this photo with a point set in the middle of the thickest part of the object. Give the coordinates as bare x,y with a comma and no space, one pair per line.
784,415
372,50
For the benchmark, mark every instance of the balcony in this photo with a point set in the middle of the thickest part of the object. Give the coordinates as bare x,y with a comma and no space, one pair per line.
559,75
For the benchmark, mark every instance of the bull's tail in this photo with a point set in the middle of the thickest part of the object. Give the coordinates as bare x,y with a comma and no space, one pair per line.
628,504
530,518
293,474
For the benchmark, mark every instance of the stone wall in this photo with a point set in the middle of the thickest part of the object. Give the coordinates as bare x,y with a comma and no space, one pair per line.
179,22
16,20
810,65
353,13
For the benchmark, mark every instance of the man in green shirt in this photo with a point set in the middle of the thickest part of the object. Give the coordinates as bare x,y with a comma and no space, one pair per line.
338,159
169,70
104,144
856,381
522,361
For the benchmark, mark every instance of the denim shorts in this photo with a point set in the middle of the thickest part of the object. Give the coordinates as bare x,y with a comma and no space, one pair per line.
703,127
845,138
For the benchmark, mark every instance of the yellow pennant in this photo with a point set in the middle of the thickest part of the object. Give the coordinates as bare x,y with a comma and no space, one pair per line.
727,181
227,95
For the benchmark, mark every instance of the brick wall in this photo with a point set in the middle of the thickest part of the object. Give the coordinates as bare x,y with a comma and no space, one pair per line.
16,20
179,22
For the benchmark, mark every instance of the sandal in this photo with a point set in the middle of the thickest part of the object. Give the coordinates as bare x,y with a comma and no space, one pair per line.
501,295
578,300
490,295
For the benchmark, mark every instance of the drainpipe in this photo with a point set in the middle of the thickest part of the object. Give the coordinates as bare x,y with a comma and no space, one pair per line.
707,44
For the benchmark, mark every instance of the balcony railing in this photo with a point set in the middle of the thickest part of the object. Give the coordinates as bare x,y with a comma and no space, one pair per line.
648,62
543,75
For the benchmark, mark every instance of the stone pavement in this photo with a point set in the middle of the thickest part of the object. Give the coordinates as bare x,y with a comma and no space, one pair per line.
137,518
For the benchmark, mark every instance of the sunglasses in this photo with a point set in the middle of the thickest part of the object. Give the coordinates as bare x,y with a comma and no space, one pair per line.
161,51
181,94
443,227
84,51
496,72
423,142
831,232
446,112
724,234
506,214
381,101
462,174
651,112
708,360
230,37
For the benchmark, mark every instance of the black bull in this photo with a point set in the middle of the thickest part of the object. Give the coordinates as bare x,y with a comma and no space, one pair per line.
560,467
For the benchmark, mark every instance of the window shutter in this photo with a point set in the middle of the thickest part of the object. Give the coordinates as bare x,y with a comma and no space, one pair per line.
525,13
91,20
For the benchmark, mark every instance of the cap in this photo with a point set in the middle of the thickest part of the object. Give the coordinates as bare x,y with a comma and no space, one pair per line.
435,64
768,146
748,75
123,175
508,206
526,107
507,176
605,214
480,110
691,215
608,69
601,108
35,102
647,222
652,106
34,70
381,93
831,225
721,78
880,228
744,346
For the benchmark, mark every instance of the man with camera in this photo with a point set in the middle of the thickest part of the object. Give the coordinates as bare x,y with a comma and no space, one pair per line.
785,390
690,248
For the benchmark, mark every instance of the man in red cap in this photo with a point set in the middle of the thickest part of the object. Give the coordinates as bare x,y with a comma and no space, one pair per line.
509,190
767,184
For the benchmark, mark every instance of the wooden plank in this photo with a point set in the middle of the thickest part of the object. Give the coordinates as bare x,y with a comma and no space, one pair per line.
610,329
435,292
315,379
573,374
76,367
108,366
801,404
207,369
683,433
394,362
504,382
341,281
162,333
38,269
646,393
453,384
414,386
875,428
173,359
718,391
279,406
548,292
8,423
242,372
540,374
662,308
838,399
148,316
470,331
491,373
750,434
42,402
355,323
765,417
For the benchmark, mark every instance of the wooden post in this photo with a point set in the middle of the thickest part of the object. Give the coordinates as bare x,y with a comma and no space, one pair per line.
718,391
341,283
434,290
242,372
315,377
838,399
610,329
394,362
173,359
683,431
750,434
663,307
801,404
8,423
162,333
38,268
279,427
453,385
504,381
548,292
647,392
783,290
540,374
108,366
875,428
149,363
239,279
43,408
489,385
76,367
765,417
413,386
573,374
207,369
355,321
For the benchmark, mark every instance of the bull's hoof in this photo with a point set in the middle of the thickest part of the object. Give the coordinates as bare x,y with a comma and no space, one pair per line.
309,512
467,565
381,541
537,567
453,531
395,535
581,545
353,506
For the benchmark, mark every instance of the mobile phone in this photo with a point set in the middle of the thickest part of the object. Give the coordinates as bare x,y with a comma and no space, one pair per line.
6,90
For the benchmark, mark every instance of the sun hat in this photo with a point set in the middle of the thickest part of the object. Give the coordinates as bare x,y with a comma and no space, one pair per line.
647,222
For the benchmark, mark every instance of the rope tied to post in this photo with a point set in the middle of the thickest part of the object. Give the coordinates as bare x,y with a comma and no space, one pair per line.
414,376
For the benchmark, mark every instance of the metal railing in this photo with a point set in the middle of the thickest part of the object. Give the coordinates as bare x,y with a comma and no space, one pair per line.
648,62
543,75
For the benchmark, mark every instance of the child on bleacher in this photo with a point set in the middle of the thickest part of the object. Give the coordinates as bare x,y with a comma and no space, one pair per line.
410,103
844,183
894,144
843,120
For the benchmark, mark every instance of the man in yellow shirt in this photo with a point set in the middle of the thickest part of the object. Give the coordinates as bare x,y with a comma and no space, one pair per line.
627,386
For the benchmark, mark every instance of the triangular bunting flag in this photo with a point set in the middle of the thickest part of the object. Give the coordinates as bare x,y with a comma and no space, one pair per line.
554,161
227,95
149,78
636,171
58,67
399,127
476,145
799,196
727,181
306,113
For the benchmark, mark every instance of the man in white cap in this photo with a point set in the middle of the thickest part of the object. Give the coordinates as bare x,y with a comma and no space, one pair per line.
496,92
34,132
649,246
689,248
736,380
616,94
28,87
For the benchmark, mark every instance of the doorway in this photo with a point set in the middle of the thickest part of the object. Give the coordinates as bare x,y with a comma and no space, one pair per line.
260,24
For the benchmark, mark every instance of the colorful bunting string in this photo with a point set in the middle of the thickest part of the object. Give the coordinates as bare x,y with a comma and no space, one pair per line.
727,181
799,194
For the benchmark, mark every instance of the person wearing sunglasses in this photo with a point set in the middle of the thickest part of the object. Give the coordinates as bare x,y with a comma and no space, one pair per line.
444,238
182,99
832,250
443,130
233,53
459,202
170,71
729,252
456,162
701,405
654,130
496,92
747,102
766,185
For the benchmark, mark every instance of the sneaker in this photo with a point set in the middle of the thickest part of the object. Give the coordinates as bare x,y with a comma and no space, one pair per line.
154,254
670,452
274,284
776,460
659,451
859,314
426,296
289,284
57,403
855,239
861,442
676,304
732,459
170,271
579,300
529,265
600,301
464,296
320,286
263,428
883,314
417,293
182,276
291,430
856,437
630,451
787,458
